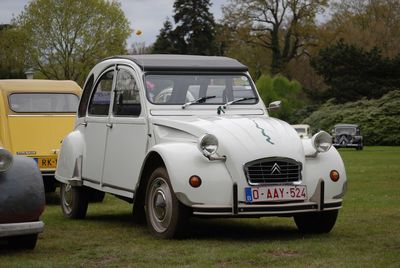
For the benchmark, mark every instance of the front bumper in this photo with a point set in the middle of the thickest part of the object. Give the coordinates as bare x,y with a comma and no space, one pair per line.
240,209
340,145
265,210
21,228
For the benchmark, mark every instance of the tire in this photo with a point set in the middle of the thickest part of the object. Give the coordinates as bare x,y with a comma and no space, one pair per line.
138,214
165,215
74,201
316,222
23,241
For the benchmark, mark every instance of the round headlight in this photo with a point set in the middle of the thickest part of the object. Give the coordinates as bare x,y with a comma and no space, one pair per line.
208,144
322,141
6,160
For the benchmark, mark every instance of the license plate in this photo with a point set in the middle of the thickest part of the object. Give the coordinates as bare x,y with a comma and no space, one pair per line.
275,193
46,162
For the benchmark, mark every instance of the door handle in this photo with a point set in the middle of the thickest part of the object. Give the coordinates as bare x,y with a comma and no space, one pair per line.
109,125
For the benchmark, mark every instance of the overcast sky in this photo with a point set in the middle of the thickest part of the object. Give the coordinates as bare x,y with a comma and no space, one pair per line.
146,15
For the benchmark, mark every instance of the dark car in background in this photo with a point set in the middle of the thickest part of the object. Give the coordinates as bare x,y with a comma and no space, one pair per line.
22,201
347,136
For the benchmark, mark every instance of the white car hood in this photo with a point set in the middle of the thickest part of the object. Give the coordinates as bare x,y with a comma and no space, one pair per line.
241,138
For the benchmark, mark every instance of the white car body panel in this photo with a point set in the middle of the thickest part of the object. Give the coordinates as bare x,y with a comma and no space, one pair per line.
112,159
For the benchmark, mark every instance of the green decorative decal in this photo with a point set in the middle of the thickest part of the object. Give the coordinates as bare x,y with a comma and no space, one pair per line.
268,138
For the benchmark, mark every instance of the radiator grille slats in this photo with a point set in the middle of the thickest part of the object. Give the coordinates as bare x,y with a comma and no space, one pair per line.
273,170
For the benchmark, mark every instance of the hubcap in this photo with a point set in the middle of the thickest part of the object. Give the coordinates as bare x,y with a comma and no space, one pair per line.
67,198
160,205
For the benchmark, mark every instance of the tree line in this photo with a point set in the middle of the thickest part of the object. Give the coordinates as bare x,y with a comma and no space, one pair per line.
342,50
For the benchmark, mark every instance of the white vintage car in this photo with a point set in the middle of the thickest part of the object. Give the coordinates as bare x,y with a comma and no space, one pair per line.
183,136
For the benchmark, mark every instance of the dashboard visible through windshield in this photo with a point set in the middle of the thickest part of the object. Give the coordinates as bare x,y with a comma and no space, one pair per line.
177,89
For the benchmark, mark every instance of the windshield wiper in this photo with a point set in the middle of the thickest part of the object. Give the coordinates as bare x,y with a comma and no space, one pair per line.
199,100
238,100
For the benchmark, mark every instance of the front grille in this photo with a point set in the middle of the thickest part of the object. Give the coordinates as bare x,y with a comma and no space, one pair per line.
273,170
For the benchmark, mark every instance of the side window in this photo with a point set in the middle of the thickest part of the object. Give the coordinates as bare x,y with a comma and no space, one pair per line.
100,102
85,96
126,100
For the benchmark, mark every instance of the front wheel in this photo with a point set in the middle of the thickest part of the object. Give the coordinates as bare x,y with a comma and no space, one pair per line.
316,222
165,215
74,201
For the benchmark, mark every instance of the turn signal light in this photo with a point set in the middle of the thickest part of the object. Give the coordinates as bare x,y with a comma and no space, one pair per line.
334,175
195,181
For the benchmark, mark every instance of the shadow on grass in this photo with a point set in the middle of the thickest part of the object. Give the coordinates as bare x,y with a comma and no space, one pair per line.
215,229
53,198
239,229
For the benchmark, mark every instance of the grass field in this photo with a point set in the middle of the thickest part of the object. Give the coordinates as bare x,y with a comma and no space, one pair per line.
367,233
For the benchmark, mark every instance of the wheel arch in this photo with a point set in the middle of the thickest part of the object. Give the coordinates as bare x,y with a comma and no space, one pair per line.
70,157
151,162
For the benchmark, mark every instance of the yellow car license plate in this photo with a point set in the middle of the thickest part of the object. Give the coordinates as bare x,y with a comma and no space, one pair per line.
46,162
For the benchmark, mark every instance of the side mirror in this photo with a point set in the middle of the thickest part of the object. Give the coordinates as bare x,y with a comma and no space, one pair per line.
275,105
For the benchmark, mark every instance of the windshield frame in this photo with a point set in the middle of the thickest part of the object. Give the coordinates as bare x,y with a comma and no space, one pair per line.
40,93
345,130
199,73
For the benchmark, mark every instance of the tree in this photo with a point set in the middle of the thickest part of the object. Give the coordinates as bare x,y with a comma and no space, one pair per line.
367,24
195,27
164,43
66,38
12,56
281,88
353,73
285,27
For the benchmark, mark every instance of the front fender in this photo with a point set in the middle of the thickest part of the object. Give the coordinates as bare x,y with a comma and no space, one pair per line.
22,195
318,166
183,160
68,164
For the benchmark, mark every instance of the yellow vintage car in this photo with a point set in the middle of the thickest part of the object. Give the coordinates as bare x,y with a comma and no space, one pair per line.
35,116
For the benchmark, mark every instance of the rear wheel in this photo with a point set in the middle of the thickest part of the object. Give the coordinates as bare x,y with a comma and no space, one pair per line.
74,201
316,222
165,215
23,241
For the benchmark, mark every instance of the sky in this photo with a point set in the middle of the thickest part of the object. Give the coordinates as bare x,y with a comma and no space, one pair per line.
147,16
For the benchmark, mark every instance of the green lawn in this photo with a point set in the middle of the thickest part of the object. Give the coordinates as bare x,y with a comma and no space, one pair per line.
367,232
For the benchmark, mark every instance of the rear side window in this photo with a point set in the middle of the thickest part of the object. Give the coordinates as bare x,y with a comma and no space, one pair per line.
100,102
43,102
85,97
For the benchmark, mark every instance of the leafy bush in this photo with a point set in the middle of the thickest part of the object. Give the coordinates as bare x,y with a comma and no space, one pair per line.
281,88
379,119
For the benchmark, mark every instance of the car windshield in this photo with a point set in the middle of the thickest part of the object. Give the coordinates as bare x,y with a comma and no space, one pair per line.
345,130
214,89
43,102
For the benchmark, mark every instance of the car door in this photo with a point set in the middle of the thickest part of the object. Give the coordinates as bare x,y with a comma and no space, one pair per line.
127,135
95,131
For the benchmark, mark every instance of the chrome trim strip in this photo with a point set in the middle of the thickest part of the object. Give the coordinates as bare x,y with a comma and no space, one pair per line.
21,228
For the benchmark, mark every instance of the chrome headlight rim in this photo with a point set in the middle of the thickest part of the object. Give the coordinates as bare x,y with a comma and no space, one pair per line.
208,144
6,160
321,141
